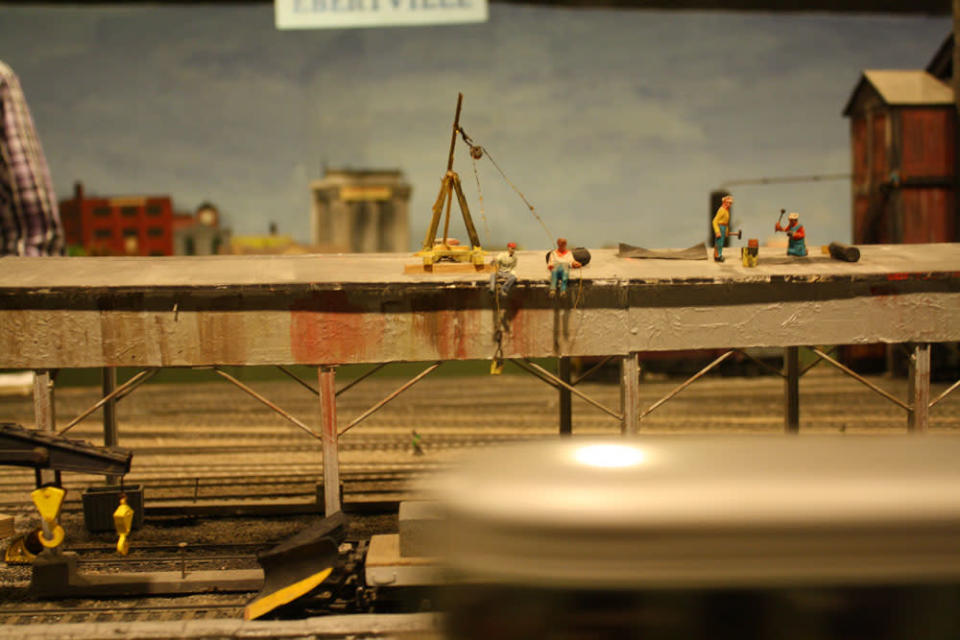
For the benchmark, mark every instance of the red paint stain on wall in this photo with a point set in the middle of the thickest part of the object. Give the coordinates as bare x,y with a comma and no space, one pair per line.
326,328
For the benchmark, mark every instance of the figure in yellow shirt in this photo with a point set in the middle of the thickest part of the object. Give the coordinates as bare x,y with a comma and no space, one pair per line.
721,223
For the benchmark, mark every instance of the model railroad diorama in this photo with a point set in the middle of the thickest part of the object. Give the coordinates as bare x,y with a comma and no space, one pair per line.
547,539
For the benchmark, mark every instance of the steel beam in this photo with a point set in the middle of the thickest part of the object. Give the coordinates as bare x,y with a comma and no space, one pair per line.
630,393
684,385
791,389
538,371
117,394
856,376
918,386
331,451
565,403
44,410
111,436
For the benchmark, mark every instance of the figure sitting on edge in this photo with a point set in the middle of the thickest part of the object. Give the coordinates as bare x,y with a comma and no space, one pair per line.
721,224
559,263
505,263
797,245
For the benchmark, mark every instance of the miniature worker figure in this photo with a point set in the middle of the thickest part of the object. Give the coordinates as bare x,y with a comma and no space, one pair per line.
415,443
559,263
506,264
721,224
797,245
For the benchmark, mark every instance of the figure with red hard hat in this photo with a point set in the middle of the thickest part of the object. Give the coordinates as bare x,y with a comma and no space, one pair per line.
506,265
559,262
797,244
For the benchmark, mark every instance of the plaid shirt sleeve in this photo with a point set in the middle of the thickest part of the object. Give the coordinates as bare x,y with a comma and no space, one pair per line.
29,216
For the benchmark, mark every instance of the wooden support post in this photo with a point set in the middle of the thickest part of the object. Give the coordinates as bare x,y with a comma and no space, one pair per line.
331,452
630,393
111,436
45,415
919,389
791,386
566,398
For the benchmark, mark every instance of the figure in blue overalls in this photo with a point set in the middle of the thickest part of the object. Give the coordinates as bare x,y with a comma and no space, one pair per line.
797,244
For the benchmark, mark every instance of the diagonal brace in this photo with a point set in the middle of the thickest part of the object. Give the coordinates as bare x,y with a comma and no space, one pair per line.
262,399
856,376
943,395
685,384
591,370
369,412
349,385
118,394
538,371
761,363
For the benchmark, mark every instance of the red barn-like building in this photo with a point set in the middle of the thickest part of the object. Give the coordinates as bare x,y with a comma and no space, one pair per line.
138,225
902,133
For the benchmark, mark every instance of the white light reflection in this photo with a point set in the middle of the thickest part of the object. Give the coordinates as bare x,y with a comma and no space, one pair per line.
609,455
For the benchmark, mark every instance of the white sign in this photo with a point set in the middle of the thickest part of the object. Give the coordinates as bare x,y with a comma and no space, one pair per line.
337,14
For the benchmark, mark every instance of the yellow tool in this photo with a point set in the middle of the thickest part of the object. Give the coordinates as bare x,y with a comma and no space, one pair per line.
750,252
49,500
122,522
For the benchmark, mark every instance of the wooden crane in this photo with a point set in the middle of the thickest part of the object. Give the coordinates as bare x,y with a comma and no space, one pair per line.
435,251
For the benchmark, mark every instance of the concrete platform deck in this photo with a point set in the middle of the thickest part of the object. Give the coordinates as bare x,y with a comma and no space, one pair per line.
336,309
325,271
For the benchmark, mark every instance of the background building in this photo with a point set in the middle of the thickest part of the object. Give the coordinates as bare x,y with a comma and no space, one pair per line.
131,225
200,233
360,211
902,128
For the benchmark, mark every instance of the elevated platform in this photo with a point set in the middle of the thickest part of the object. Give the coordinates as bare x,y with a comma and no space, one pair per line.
337,309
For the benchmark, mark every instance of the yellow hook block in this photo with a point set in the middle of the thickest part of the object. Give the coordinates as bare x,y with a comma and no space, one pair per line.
48,501
122,522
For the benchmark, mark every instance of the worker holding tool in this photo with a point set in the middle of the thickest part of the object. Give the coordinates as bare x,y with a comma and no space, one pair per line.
559,262
506,264
721,223
797,245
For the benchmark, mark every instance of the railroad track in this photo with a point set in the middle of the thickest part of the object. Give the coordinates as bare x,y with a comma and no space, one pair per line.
136,611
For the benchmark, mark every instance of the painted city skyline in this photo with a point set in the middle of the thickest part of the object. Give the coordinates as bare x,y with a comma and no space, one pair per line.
614,124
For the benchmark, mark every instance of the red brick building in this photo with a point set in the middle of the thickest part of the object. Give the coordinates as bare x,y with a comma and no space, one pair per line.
135,225
902,133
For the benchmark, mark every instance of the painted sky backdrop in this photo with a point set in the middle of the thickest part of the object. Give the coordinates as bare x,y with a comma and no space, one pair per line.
615,124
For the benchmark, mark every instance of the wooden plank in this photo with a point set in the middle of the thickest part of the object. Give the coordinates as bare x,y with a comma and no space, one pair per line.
894,294
6,525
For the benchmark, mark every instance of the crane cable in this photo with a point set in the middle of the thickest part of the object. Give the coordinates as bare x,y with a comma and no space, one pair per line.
477,152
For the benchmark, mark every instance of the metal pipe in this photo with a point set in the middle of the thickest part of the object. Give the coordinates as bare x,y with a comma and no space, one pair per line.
361,378
857,376
545,375
111,435
369,412
760,363
686,384
591,371
302,382
117,393
791,389
326,381
259,397
815,363
943,395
